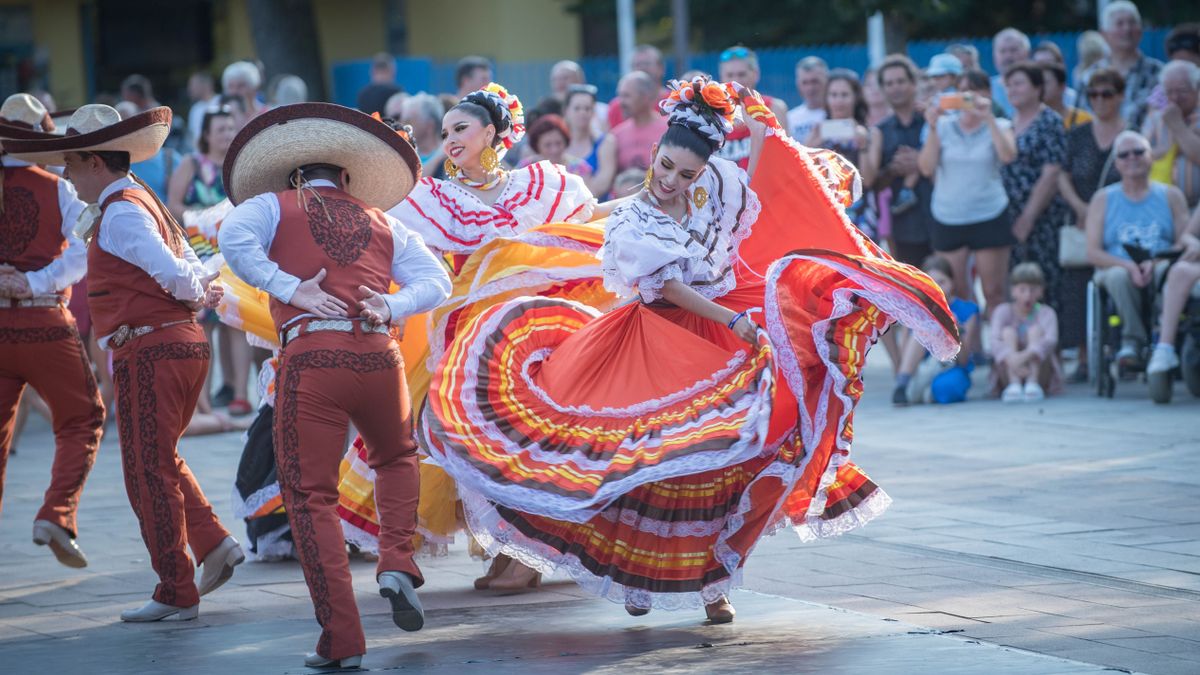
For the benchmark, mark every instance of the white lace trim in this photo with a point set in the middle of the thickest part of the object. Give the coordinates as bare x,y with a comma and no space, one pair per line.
894,306
365,541
266,377
653,239
245,508
568,190
497,536
755,408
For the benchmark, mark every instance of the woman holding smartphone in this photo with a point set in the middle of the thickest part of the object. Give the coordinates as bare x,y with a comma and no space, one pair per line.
963,154
844,132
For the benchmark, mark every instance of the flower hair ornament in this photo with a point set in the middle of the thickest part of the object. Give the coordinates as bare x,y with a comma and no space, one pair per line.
702,105
511,105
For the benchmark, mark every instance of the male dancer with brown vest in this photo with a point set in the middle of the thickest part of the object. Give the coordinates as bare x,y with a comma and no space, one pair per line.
40,259
312,181
144,287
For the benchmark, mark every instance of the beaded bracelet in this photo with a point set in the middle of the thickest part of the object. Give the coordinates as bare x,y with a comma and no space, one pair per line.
737,318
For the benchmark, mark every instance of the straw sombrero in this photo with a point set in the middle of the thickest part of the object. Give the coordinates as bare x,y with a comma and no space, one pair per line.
383,165
99,128
24,117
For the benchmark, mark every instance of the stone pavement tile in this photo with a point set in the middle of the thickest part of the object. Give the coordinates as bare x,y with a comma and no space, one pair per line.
1185,547
1130,660
1102,595
1095,631
1158,644
11,634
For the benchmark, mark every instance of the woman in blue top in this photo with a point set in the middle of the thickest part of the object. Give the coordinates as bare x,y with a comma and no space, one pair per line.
579,111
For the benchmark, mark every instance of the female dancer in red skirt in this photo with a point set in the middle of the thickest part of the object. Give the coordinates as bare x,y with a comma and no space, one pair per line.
645,451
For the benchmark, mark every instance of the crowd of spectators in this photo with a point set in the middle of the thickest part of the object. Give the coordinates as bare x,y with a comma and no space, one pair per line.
1013,188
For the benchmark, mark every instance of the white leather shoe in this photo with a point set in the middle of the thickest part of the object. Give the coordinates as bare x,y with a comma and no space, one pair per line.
218,565
407,612
315,660
61,544
157,611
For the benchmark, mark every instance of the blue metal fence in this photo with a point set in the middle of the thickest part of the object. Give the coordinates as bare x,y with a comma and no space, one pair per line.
531,80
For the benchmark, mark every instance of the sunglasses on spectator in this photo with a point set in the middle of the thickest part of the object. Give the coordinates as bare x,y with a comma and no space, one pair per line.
734,53
1101,93
1136,152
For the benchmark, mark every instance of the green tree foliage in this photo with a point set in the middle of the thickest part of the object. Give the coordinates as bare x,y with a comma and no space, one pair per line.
776,23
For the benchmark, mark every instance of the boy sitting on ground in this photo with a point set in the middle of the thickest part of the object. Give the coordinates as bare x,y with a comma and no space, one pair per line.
1024,338
922,379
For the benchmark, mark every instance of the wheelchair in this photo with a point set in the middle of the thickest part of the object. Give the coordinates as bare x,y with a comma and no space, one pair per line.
1104,341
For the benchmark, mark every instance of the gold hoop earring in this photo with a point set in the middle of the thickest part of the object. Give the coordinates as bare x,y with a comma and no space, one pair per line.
649,178
450,168
699,197
489,159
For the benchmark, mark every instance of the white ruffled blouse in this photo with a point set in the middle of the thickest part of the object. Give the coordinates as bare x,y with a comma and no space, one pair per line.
451,218
644,247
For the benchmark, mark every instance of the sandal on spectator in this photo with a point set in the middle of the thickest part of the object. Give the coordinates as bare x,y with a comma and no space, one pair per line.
239,407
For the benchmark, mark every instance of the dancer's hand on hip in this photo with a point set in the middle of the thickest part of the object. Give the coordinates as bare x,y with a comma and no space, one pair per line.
310,298
374,309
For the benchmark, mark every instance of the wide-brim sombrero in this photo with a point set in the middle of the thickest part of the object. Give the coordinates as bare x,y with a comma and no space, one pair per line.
99,128
24,117
383,165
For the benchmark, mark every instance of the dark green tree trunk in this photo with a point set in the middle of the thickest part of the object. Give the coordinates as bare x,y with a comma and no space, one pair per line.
285,37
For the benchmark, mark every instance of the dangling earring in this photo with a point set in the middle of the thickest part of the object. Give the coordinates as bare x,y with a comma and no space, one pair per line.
699,197
649,178
488,159
450,168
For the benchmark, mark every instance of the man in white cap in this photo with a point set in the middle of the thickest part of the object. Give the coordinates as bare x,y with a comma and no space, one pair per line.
144,287
311,182
40,259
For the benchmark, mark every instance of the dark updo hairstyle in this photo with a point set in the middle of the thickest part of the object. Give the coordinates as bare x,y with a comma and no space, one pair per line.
487,110
683,136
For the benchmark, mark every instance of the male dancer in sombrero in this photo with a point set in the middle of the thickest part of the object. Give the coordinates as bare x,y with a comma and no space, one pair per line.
144,287
40,259
312,182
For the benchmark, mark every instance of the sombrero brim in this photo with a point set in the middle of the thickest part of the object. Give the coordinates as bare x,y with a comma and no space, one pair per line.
141,135
18,133
383,166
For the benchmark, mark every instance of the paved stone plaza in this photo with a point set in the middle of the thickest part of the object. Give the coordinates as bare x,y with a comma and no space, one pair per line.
1054,538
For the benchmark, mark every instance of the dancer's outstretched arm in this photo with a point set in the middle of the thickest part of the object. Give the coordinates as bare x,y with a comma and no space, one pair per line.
680,294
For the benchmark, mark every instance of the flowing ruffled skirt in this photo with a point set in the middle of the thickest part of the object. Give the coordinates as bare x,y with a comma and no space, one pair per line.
555,260
646,451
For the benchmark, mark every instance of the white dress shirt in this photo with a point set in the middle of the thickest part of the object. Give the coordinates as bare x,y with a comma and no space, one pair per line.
132,235
68,268
247,232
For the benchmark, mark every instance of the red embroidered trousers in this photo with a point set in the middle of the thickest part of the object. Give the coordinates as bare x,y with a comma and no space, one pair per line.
158,378
327,380
40,346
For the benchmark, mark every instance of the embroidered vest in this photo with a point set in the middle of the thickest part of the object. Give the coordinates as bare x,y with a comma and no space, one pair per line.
122,293
351,241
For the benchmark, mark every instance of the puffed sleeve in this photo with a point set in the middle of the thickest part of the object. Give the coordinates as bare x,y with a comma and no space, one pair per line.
732,205
568,201
642,250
